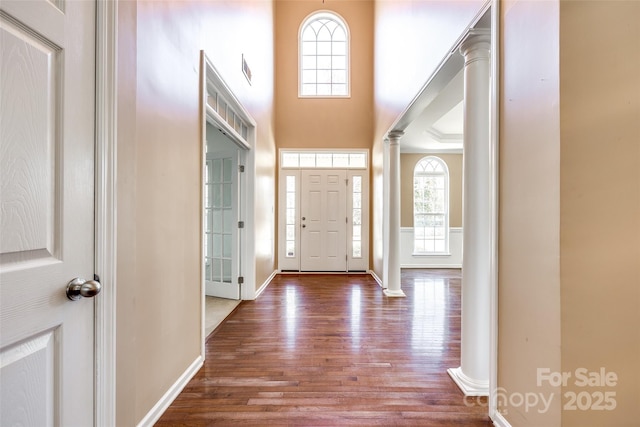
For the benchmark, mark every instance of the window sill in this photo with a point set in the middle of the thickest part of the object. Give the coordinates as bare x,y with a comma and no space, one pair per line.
324,96
430,254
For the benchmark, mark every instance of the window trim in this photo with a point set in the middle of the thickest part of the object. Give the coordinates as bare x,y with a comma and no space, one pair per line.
309,151
446,213
312,16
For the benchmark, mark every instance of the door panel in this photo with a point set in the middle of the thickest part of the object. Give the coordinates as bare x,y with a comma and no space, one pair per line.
222,212
323,212
46,211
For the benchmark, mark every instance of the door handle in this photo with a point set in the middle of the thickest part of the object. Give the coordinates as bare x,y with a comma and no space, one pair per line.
78,288
304,226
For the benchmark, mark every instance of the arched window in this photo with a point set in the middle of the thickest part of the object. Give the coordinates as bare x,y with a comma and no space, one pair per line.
431,206
324,56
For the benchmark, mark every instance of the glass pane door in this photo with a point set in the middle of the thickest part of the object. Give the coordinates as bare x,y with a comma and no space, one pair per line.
221,229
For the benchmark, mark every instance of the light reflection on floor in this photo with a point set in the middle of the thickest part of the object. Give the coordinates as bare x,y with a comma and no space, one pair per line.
291,316
429,325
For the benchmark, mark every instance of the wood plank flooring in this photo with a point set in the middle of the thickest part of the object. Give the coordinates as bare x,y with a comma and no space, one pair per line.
332,350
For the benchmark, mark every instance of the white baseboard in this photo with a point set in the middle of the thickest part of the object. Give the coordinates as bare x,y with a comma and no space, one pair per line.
409,266
498,420
376,278
159,408
469,386
266,283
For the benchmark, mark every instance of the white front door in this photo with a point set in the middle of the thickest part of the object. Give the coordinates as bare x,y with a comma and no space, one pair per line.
221,221
323,210
47,93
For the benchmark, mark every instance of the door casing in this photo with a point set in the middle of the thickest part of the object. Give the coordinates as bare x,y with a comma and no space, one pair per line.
357,259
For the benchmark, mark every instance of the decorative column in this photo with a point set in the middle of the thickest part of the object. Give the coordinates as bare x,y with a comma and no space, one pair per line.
473,374
393,288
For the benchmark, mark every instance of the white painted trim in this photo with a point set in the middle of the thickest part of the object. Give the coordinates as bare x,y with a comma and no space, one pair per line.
427,266
469,386
106,212
293,264
248,238
495,196
385,214
398,293
451,260
265,284
499,420
167,399
214,78
376,278
211,77
226,128
203,218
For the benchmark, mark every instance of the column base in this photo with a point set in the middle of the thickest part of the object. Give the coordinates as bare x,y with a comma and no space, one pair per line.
469,386
394,294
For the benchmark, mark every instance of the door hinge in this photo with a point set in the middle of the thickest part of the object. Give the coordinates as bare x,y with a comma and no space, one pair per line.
346,181
240,280
346,220
241,168
240,224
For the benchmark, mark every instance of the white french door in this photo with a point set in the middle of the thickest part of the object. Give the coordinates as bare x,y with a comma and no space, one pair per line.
47,136
323,212
222,210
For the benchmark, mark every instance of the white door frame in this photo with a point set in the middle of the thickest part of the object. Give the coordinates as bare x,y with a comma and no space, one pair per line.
292,263
105,211
495,208
211,80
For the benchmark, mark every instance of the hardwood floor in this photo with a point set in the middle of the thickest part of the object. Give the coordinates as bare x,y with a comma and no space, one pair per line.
332,350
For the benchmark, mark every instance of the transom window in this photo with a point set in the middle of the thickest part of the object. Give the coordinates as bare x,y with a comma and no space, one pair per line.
324,56
339,159
431,206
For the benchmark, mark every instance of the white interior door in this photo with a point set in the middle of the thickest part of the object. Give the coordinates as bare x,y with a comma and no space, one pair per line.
323,210
222,210
47,95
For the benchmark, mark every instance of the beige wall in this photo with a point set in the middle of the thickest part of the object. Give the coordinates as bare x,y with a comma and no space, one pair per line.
411,38
126,274
529,194
324,122
159,178
600,202
569,278
407,165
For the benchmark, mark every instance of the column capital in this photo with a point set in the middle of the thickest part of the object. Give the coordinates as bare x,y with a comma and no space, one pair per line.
476,39
394,136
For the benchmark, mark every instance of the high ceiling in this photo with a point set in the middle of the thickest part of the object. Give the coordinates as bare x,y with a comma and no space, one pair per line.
438,128
433,123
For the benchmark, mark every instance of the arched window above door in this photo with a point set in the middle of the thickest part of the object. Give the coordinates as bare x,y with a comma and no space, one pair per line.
323,56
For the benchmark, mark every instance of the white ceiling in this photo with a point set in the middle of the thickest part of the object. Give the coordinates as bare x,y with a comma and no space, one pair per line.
439,125
433,123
